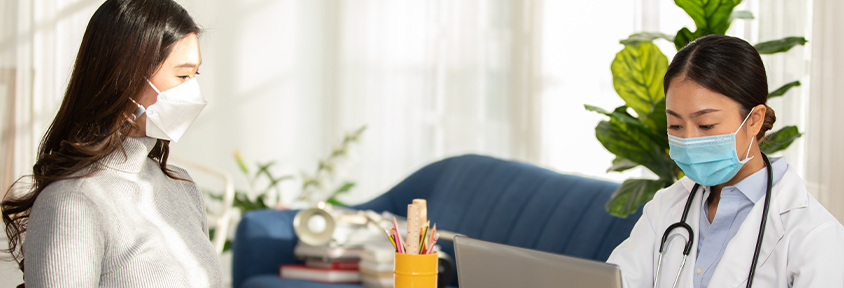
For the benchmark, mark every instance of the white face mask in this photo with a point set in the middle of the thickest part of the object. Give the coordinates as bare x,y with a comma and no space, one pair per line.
174,111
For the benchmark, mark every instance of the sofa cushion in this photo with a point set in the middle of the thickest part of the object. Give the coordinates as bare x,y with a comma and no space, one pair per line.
514,203
482,197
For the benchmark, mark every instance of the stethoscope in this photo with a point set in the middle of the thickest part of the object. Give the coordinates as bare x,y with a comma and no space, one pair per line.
688,248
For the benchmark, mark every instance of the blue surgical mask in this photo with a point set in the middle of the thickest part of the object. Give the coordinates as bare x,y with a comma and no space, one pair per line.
708,160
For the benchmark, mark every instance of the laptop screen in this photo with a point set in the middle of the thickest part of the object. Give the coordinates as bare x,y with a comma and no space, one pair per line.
483,264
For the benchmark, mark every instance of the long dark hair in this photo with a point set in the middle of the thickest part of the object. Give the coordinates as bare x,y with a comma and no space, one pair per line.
125,42
727,65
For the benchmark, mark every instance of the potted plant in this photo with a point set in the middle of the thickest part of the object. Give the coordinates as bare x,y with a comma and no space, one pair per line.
636,132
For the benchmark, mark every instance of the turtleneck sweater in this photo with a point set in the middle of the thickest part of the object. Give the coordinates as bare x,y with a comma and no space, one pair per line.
125,224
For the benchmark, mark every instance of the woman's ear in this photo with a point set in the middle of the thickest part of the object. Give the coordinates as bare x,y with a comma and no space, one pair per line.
756,119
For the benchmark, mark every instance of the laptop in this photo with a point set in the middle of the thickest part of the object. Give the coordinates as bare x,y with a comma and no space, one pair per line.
484,264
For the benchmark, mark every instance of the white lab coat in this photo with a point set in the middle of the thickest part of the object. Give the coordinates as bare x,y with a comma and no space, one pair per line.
803,244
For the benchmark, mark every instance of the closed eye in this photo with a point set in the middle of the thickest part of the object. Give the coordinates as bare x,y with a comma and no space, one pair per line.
706,127
185,77
673,127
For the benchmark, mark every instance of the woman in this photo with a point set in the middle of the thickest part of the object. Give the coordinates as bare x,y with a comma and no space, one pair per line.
106,209
716,91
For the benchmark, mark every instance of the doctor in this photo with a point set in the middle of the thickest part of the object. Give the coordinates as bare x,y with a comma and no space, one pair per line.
716,89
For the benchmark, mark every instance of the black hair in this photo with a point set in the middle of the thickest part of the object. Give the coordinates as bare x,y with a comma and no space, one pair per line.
729,66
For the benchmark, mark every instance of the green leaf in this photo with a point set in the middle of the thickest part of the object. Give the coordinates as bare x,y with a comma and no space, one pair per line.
242,202
620,164
779,140
710,16
345,188
781,45
645,36
334,201
276,181
633,143
637,76
631,194
620,113
241,163
684,36
264,169
260,201
781,91
741,14
227,245
657,122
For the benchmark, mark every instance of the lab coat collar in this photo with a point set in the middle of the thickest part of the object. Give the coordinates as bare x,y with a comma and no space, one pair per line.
788,194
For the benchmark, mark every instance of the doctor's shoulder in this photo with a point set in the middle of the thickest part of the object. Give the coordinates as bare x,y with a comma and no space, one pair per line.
814,241
812,225
669,196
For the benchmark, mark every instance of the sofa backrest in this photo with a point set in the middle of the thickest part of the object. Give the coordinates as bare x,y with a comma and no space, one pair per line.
513,203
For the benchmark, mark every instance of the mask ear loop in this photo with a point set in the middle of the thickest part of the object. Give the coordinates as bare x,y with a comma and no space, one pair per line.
141,110
159,92
736,133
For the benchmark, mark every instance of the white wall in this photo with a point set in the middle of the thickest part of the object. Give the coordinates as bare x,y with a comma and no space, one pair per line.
263,66
430,79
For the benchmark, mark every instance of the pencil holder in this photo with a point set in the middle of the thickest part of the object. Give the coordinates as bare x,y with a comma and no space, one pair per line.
416,271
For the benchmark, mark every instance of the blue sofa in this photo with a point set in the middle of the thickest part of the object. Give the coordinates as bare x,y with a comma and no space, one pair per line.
478,196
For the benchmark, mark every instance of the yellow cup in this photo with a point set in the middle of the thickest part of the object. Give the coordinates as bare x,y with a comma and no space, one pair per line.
416,271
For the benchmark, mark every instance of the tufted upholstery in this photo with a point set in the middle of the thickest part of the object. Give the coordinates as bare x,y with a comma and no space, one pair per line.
478,196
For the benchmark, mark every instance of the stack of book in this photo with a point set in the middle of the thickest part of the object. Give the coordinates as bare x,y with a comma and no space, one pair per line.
376,265
324,264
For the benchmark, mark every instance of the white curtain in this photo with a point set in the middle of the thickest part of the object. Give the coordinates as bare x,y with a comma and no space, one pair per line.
430,79
824,134
38,43
435,79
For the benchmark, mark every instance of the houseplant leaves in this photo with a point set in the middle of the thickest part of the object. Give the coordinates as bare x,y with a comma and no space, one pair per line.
632,142
779,140
635,38
631,194
781,45
781,91
710,16
637,75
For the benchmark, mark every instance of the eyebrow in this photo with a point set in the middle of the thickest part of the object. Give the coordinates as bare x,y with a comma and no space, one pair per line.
189,65
693,115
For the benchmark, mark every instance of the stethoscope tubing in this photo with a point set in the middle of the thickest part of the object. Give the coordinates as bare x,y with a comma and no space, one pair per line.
764,221
689,243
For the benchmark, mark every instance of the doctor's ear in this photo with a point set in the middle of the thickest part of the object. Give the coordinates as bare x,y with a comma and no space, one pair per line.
760,120
768,119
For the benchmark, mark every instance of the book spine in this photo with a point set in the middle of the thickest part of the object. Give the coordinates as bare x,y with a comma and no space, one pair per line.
340,265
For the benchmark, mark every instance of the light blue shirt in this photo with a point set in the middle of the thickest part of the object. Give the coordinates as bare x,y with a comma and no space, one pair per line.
736,202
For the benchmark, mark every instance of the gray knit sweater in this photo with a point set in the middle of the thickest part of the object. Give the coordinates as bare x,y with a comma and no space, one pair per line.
125,225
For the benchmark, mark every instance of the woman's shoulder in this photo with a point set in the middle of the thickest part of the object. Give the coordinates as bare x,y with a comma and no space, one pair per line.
180,172
92,183
671,195
811,219
186,181
69,187
72,196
